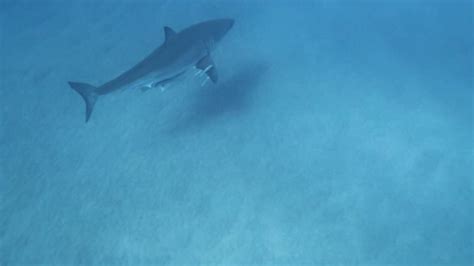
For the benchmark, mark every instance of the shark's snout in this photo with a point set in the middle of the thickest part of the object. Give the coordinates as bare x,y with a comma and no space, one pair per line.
230,23
219,27
224,25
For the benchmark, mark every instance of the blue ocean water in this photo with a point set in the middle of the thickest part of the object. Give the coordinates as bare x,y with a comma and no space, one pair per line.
340,132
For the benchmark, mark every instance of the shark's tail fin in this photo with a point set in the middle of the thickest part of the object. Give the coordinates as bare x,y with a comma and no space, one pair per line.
88,93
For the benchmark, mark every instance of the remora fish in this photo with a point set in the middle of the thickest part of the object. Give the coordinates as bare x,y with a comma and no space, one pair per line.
180,51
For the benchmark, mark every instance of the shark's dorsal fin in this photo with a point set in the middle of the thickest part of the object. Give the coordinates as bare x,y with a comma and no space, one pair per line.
207,65
168,32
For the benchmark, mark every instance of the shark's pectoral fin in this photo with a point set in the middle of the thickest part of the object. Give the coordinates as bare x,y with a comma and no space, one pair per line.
207,65
168,32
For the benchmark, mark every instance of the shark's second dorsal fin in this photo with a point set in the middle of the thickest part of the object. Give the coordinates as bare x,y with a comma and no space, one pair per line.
168,32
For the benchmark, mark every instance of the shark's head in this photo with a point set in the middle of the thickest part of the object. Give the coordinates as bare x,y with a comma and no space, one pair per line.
218,28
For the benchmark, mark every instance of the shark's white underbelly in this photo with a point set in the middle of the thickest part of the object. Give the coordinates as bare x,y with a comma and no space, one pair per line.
147,81
182,64
153,78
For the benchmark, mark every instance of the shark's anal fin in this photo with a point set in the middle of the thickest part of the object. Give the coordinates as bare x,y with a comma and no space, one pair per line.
168,32
207,65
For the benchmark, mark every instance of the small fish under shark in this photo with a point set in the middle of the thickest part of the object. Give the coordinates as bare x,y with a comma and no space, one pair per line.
180,51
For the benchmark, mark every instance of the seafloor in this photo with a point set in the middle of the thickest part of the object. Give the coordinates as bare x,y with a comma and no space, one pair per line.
339,133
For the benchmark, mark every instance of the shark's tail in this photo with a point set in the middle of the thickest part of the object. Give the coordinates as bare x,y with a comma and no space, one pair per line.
88,93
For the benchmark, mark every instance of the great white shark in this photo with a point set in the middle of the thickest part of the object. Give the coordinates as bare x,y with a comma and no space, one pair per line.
180,51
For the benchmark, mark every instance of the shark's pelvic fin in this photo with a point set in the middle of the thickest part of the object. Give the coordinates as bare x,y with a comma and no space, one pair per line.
168,32
207,65
88,93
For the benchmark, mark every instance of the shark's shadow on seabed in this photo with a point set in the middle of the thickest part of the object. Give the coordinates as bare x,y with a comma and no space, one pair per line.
225,98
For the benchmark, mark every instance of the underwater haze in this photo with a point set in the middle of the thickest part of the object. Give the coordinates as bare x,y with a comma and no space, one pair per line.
340,132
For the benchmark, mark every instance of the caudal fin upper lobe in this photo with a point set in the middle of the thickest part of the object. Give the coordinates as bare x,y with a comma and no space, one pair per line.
88,93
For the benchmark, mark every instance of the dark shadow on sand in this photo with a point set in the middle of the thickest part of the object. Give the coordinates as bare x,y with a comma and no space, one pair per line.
225,98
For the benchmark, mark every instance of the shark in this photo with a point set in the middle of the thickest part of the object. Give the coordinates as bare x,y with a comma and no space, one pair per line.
179,52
